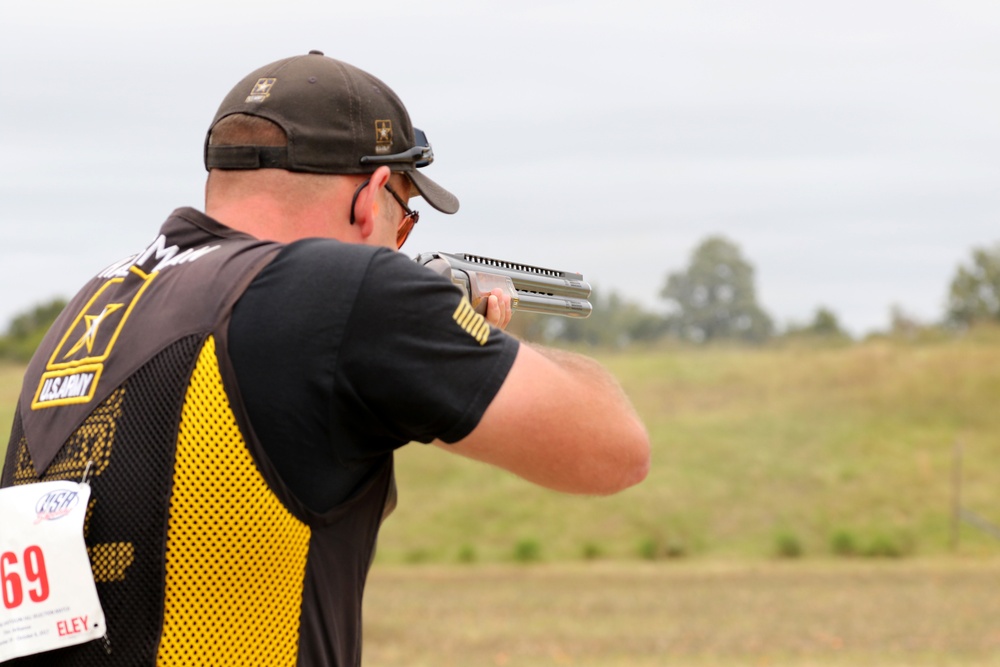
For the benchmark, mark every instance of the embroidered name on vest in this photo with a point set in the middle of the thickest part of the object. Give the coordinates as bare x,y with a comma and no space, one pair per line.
158,249
75,387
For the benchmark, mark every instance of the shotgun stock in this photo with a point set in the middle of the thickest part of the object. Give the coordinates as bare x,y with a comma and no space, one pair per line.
532,288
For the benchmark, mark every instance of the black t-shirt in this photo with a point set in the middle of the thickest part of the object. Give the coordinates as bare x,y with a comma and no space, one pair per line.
343,353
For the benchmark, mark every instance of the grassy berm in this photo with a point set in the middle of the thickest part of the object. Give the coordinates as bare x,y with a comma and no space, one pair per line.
793,451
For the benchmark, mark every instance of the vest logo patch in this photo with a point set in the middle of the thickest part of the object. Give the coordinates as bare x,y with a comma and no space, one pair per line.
65,387
74,369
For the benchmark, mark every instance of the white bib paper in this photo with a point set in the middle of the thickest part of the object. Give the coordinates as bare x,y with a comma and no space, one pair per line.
48,599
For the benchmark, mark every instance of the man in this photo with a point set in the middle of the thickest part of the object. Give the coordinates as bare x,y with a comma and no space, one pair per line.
235,391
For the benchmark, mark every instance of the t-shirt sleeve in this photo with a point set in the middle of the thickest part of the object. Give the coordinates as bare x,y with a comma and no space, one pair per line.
417,363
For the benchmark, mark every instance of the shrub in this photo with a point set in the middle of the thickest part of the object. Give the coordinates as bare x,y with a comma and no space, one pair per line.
467,554
527,551
417,556
649,549
654,549
843,543
787,545
592,551
885,546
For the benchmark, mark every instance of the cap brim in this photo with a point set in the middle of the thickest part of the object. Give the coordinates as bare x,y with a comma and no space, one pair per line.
435,195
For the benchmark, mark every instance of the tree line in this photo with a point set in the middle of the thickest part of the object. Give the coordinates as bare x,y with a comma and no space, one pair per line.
712,299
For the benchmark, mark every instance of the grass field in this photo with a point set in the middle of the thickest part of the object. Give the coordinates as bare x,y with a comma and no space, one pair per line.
754,451
801,614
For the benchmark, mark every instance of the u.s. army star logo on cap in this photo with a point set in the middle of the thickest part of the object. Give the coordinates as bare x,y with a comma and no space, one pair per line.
383,136
261,90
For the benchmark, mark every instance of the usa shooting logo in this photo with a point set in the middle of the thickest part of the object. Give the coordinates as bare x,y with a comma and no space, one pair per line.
56,504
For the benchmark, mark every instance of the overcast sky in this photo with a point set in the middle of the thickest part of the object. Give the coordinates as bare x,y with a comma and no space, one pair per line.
851,148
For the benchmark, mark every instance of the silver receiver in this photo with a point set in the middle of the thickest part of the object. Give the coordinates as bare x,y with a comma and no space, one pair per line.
533,289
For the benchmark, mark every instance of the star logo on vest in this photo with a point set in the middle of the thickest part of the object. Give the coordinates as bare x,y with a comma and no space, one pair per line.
77,362
93,324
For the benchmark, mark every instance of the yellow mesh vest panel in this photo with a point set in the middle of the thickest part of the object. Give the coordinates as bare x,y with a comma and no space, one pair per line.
236,557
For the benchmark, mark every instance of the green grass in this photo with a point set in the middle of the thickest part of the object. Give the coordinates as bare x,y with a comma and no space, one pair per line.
748,444
825,451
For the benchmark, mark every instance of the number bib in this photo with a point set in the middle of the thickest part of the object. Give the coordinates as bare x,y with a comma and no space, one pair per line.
47,586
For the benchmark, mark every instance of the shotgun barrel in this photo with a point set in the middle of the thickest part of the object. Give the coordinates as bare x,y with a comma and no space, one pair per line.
533,288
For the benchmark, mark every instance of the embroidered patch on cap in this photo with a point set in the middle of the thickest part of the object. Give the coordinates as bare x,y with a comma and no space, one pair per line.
261,90
383,136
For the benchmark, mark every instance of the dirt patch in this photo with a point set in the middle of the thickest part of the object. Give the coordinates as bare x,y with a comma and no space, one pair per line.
713,614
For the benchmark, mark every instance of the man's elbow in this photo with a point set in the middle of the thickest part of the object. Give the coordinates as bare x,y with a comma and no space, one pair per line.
642,462
630,467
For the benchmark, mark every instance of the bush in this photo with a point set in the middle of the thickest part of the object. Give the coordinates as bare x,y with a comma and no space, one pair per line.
655,549
415,556
843,543
592,551
885,546
649,549
787,545
467,554
527,551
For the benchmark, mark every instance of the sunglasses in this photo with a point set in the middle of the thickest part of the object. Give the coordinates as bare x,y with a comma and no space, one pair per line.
405,225
420,155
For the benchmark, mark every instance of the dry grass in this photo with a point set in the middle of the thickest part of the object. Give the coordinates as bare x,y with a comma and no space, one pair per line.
821,614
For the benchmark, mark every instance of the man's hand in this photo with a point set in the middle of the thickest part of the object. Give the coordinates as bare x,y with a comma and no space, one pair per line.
498,308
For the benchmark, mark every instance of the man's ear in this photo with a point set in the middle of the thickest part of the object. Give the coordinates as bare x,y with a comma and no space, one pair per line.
366,207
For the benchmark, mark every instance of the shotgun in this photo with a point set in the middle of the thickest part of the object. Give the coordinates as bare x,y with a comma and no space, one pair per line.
532,288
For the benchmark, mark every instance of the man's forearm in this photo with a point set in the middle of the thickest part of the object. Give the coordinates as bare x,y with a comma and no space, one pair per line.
562,421
587,370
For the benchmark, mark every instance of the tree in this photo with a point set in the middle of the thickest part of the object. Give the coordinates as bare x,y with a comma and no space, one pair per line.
37,320
975,290
715,297
824,325
27,329
615,322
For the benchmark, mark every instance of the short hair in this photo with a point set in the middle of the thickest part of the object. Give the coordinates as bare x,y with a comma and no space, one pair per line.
246,130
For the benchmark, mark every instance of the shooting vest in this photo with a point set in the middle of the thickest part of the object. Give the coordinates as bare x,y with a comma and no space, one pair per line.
200,553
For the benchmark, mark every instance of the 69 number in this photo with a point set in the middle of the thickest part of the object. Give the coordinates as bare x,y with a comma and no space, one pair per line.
34,572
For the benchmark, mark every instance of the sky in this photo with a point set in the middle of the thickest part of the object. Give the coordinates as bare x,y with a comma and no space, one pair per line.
850,149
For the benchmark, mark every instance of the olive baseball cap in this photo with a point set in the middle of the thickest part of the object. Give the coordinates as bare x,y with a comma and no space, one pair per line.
338,120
